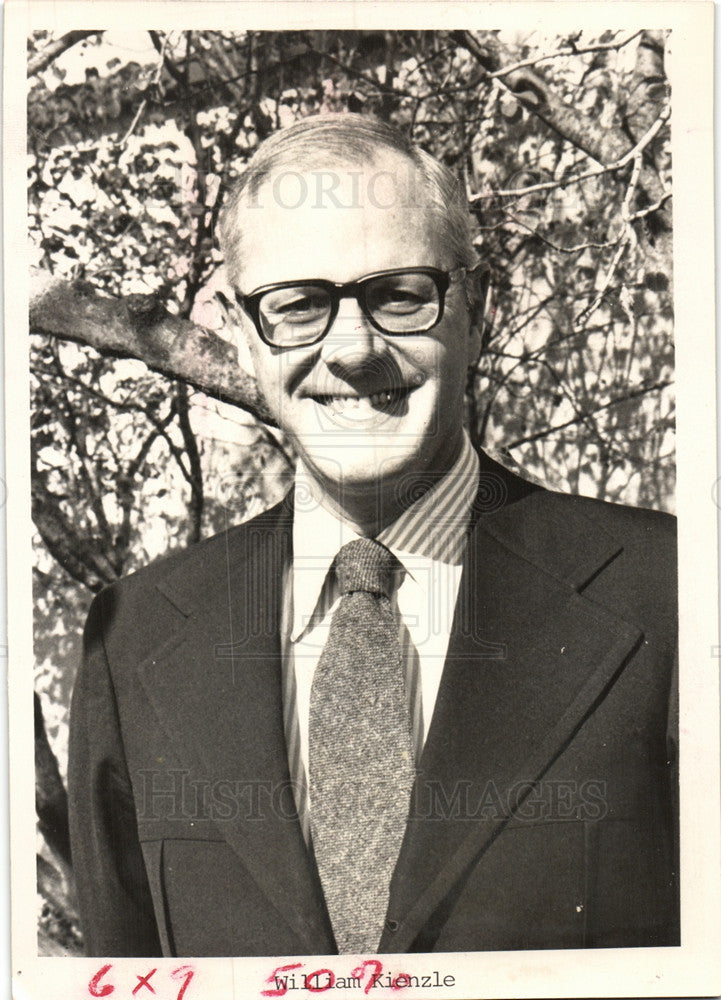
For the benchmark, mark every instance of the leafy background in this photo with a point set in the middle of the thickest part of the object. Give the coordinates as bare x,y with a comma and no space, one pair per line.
563,144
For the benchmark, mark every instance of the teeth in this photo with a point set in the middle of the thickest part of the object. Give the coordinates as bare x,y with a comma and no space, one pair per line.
382,398
342,404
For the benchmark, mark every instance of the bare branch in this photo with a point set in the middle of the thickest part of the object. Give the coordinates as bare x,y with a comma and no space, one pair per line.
608,278
358,74
531,90
554,246
634,394
195,479
42,60
159,45
51,801
648,89
144,103
69,421
578,247
625,239
650,209
142,408
74,550
594,172
572,51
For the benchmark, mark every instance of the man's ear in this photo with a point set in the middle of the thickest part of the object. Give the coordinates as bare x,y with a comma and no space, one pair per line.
235,322
479,282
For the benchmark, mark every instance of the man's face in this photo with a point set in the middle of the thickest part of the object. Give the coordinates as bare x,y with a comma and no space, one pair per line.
368,412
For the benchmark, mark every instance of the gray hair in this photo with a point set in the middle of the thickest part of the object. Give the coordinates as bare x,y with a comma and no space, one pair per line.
321,141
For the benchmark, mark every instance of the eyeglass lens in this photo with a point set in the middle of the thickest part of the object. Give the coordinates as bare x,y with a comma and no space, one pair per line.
398,303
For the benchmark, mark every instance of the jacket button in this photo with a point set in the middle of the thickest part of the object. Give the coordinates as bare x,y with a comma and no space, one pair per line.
392,926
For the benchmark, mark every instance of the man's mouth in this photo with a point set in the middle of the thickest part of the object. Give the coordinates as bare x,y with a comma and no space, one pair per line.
381,399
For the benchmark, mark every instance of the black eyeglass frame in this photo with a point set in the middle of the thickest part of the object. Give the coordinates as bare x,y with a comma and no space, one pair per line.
351,289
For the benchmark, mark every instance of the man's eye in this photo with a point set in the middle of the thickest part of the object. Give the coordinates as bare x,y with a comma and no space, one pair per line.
300,307
398,300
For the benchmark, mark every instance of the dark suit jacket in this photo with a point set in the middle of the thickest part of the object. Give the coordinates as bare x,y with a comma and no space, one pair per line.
544,815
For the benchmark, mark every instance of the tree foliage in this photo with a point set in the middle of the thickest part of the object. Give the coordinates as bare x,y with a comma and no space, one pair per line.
564,150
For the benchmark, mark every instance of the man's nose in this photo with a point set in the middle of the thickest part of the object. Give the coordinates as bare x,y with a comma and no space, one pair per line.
352,339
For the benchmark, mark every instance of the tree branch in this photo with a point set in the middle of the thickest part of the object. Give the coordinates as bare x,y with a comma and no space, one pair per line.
51,801
75,552
572,51
195,479
625,238
156,82
124,491
648,88
578,247
159,45
530,89
582,417
160,426
139,327
42,60
75,434
594,172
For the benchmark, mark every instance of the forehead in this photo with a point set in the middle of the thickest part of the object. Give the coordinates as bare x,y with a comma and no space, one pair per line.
337,221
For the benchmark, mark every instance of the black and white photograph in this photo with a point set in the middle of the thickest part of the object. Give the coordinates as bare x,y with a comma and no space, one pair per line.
361,450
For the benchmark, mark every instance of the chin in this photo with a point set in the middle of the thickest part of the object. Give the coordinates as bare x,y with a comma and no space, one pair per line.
398,479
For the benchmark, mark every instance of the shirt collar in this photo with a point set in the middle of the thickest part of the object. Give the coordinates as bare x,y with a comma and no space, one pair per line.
318,536
434,527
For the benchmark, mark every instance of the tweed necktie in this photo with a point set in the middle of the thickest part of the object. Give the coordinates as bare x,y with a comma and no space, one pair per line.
360,760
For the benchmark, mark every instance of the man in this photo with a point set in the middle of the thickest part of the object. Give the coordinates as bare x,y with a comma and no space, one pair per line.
420,705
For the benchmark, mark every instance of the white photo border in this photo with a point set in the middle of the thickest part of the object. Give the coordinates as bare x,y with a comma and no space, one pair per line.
694,968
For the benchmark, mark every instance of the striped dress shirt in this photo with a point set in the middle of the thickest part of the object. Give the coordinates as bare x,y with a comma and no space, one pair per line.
429,541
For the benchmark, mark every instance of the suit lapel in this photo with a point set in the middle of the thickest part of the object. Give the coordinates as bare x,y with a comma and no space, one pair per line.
528,659
218,691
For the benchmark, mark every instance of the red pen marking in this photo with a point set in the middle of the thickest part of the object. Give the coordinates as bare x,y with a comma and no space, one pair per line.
94,987
359,972
281,985
396,983
187,972
145,981
314,975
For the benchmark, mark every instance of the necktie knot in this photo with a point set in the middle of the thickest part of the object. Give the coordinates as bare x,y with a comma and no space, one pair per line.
366,565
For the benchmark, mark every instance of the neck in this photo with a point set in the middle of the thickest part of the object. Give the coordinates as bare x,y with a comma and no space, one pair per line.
365,511
368,509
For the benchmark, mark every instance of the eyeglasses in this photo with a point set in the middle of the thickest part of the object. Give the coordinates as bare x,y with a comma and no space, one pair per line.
397,302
